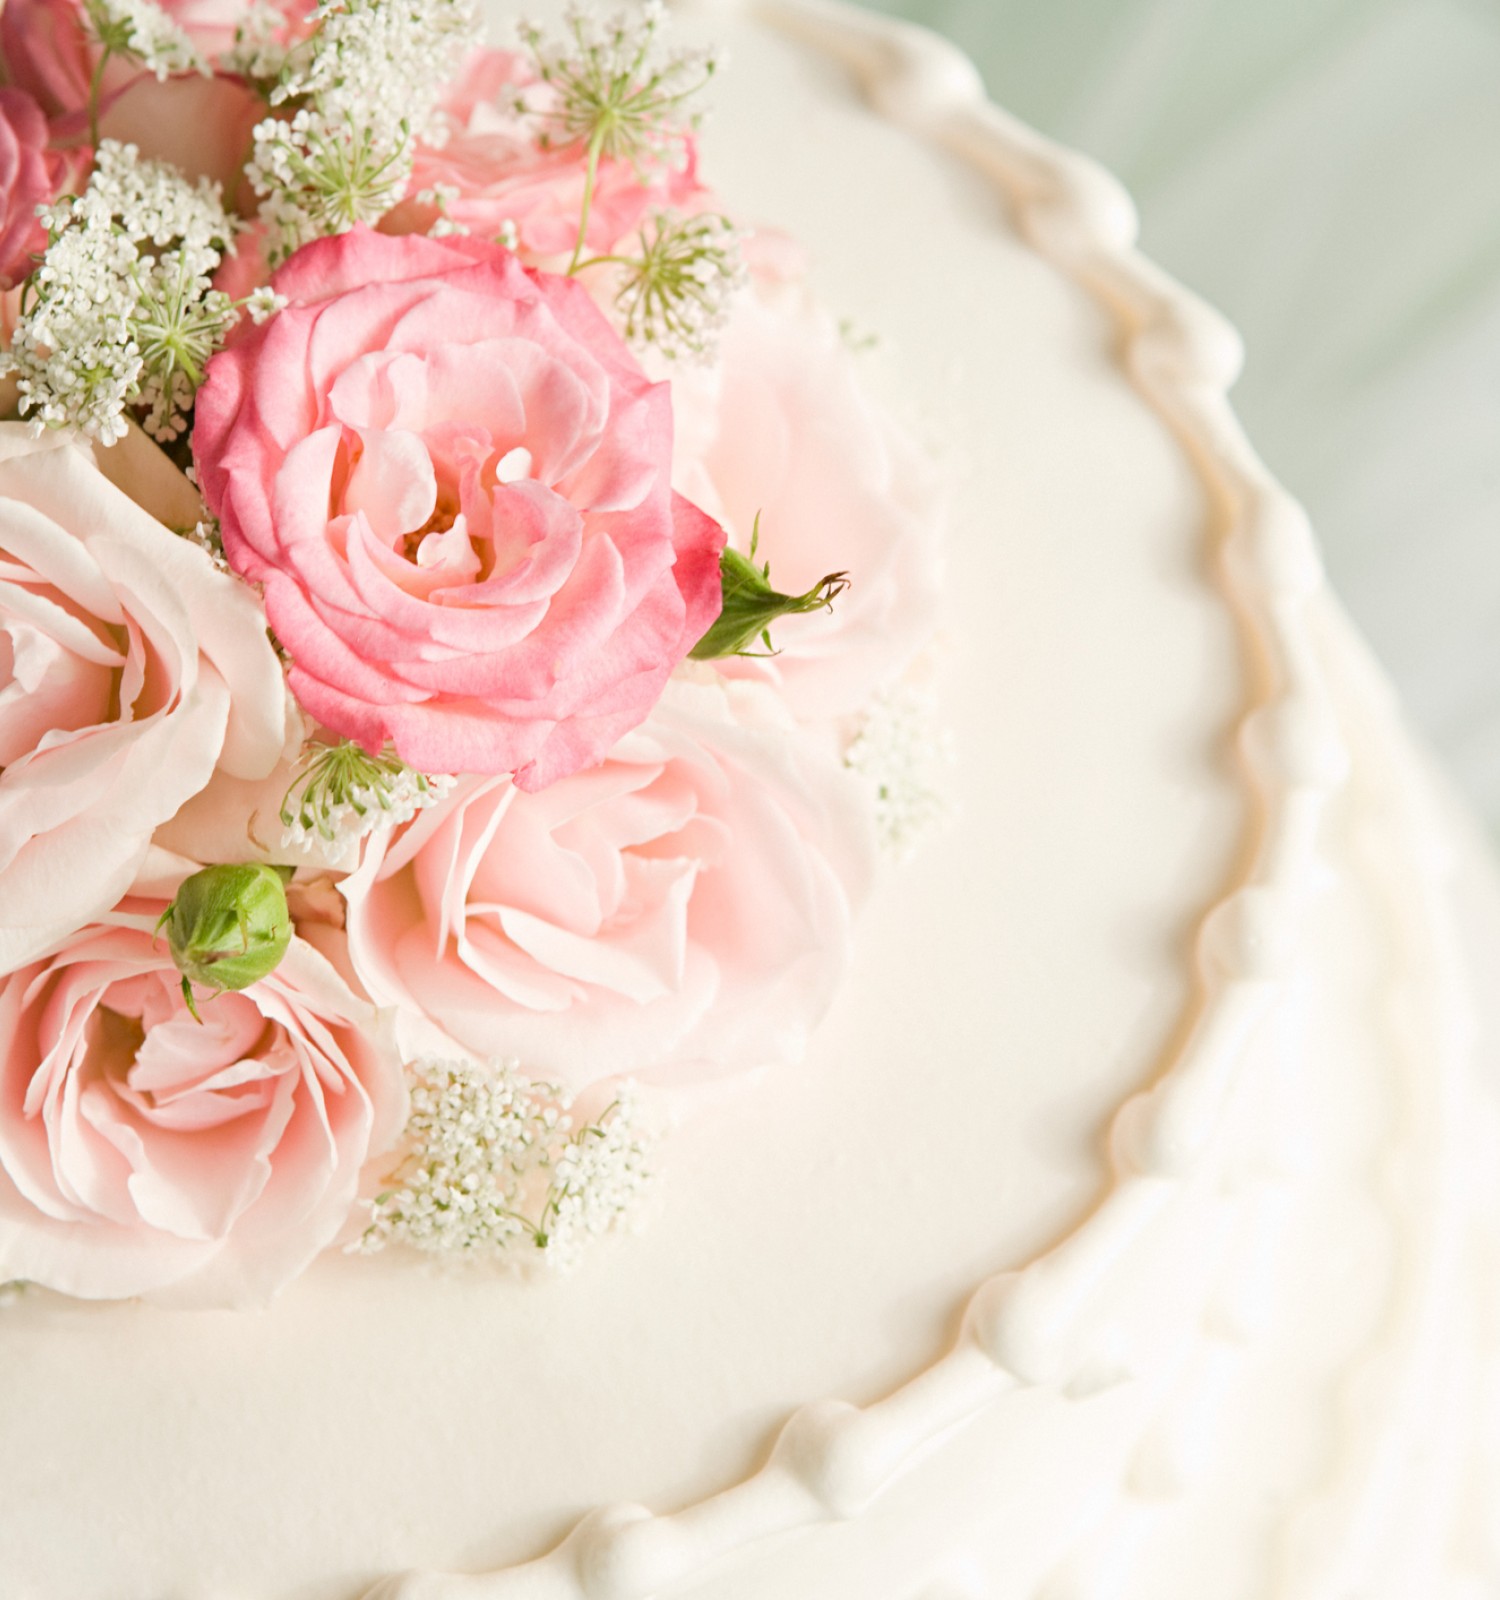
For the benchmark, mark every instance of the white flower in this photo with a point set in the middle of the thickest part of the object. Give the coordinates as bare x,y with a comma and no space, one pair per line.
141,31
493,1162
676,295
257,52
364,88
342,792
122,311
616,89
903,752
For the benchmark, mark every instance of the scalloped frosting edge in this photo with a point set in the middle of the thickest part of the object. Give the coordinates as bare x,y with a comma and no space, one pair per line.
1033,1326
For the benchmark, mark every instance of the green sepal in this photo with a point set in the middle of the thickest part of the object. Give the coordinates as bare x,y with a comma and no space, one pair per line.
228,927
751,604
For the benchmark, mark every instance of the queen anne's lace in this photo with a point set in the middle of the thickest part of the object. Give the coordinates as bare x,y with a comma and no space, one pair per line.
342,792
676,295
614,88
141,31
904,753
122,311
494,1164
360,91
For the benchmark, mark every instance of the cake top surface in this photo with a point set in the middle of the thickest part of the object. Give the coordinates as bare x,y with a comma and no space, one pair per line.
817,1234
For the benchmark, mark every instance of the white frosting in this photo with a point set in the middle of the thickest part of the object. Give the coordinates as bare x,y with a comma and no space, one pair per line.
1172,1037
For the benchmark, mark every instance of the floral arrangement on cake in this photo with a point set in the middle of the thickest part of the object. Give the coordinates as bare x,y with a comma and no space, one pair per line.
457,617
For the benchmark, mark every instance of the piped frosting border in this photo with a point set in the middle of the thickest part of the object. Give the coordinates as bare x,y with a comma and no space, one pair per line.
1034,1326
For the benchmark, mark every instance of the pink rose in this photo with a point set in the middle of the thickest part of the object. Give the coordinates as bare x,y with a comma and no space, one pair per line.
681,911
453,481
129,669
30,175
201,124
142,1152
783,427
46,52
492,160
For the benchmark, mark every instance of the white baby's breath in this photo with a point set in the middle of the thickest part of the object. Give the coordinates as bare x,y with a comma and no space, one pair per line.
121,311
355,97
904,753
492,1164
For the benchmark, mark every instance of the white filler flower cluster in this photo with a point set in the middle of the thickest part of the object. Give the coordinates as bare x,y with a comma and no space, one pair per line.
494,1164
121,312
676,295
139,30
903,752
611,85
361,90
614,88
342,792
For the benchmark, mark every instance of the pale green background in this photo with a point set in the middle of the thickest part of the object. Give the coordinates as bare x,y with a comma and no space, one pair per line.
1328,173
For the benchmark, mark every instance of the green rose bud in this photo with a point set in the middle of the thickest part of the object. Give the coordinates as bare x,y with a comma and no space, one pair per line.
228,927
751,605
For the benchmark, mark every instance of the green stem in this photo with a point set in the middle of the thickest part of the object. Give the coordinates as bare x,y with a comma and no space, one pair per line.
591,178
96,86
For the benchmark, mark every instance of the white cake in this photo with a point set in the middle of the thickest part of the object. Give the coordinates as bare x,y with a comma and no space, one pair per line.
1128,1232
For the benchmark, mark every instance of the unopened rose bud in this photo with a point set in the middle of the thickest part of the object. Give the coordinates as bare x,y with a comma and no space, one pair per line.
228,927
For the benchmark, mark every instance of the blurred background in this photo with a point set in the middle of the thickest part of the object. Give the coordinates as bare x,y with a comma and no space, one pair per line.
1327,172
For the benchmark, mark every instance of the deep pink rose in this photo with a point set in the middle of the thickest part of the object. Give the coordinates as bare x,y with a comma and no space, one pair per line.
30,175
142,1152
47,53
681,911
491,158
453,480
130,669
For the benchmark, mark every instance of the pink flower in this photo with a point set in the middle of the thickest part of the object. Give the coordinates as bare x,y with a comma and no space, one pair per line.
46,52
453,481
681,911
201,124
142,1152
129,670
492,160
783,428
30,175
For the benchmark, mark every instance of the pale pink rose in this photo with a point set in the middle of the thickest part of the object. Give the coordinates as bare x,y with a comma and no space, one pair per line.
201,125
145,1153
680,912
491,158
129,669
453,481
783,427
31,174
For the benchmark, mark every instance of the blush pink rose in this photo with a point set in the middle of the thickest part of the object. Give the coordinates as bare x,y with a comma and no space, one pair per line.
680,912
129,670
145,1153
453,481
783,428
499,175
